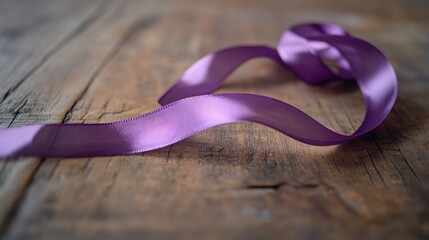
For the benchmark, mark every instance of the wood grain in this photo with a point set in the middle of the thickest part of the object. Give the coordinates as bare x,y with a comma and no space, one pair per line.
100,61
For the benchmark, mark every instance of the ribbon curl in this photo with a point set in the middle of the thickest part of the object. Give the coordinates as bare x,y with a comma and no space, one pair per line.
188,107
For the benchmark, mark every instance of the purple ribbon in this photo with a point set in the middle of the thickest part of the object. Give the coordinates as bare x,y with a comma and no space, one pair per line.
188,107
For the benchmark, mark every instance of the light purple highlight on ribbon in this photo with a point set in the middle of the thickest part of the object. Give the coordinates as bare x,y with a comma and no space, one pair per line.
188,107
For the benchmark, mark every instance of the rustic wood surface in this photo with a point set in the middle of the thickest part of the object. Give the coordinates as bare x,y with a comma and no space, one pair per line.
99,61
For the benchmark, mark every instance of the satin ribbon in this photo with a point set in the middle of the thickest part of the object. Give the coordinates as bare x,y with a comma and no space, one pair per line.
188,107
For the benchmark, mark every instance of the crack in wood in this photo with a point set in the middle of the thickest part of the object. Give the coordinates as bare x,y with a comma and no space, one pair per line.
278,185
403,157
390,160
366,170
17,112
376,169
169,151
274,186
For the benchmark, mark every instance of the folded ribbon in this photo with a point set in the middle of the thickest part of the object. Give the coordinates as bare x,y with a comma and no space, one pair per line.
188,107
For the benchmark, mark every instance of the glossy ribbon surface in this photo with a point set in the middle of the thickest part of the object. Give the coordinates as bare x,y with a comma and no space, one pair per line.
188,107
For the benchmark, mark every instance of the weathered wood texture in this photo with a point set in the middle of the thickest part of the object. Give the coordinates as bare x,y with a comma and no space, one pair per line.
99,61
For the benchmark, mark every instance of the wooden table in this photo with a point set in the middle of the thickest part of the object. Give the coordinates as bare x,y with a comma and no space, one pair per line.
100,61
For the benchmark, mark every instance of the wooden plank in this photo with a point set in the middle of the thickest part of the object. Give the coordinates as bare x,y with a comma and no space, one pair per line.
27,39
241,180
49,91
